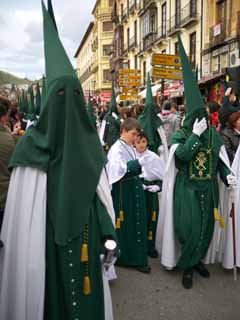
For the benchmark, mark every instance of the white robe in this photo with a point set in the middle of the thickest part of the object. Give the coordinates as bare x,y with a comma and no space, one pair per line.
22,260
166,242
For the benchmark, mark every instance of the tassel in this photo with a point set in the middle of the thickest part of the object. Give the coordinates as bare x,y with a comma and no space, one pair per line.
154,216
84,254
118,224
216,214
86,286
150,235
121,216
221,223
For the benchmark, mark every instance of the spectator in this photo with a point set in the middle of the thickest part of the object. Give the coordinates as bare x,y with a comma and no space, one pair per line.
212,110
231,135
170,121
230,105
7,143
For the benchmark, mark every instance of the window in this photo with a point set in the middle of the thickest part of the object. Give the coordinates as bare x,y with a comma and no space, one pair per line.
178,13
128,37
176,49
193,8
106,49
192,46
107,26
144,72
135,62
106,75
221,11
135,32
164,19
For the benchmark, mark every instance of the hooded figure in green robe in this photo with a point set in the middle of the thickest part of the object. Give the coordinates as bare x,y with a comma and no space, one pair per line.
65,203
110,130
190,190
38,100
91,115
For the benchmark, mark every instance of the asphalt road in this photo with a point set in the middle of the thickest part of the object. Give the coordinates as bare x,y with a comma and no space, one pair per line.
160,295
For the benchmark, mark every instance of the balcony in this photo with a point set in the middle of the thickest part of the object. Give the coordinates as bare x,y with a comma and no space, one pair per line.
217,34
161,33
144,5
184,18
132,43
132,6
149,41
124,15
189,14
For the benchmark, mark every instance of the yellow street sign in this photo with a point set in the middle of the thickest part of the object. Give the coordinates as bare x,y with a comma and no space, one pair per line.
166,60
167,73
130,84
129,90
129,71
130,77
128,97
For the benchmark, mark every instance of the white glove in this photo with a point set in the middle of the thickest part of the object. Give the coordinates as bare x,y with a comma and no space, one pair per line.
161,149
114,115
232,181
199,127
154,188
144,159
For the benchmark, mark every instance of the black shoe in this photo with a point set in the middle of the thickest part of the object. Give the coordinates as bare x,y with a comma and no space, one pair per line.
202,270
144,269
1,244
187,280
153,254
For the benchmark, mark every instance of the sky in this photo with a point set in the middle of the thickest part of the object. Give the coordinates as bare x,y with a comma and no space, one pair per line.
21,35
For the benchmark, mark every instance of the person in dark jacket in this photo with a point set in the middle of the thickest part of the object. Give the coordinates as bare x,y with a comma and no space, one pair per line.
229,106
231,135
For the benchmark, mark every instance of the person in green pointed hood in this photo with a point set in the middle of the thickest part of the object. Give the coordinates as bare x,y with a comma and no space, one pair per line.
110,129
38,100
64,213
91,115
190,195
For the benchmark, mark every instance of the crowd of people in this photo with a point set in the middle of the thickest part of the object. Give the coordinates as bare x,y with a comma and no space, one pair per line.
82,190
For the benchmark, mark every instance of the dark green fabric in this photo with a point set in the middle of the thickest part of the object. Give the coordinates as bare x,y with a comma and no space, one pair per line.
51,13
194,201
44,93
31,106
194,102
112,130
65,272
128,196
38,100
152,204
91,115
62,144
149,121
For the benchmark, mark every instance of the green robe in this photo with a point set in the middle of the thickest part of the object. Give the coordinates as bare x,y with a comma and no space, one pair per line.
195,200
65,271
112,131
128,197
152,207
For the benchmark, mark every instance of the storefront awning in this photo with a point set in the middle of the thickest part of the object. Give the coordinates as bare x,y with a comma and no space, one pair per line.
155,89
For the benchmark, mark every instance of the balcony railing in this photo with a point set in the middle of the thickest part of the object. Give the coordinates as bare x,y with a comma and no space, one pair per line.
149,41
161,33
132,43
217,33
144,5
184,17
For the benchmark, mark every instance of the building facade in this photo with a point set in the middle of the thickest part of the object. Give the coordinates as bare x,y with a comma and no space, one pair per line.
92,56
221,33
146,26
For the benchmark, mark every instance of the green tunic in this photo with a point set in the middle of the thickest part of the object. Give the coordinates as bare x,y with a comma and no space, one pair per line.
65,271
128,198
195,199
112,131
152,207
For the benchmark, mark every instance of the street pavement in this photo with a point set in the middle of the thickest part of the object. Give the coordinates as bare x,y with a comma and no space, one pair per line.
160,295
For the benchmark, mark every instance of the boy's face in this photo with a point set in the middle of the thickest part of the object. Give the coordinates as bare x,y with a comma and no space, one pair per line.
130,136
141,144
